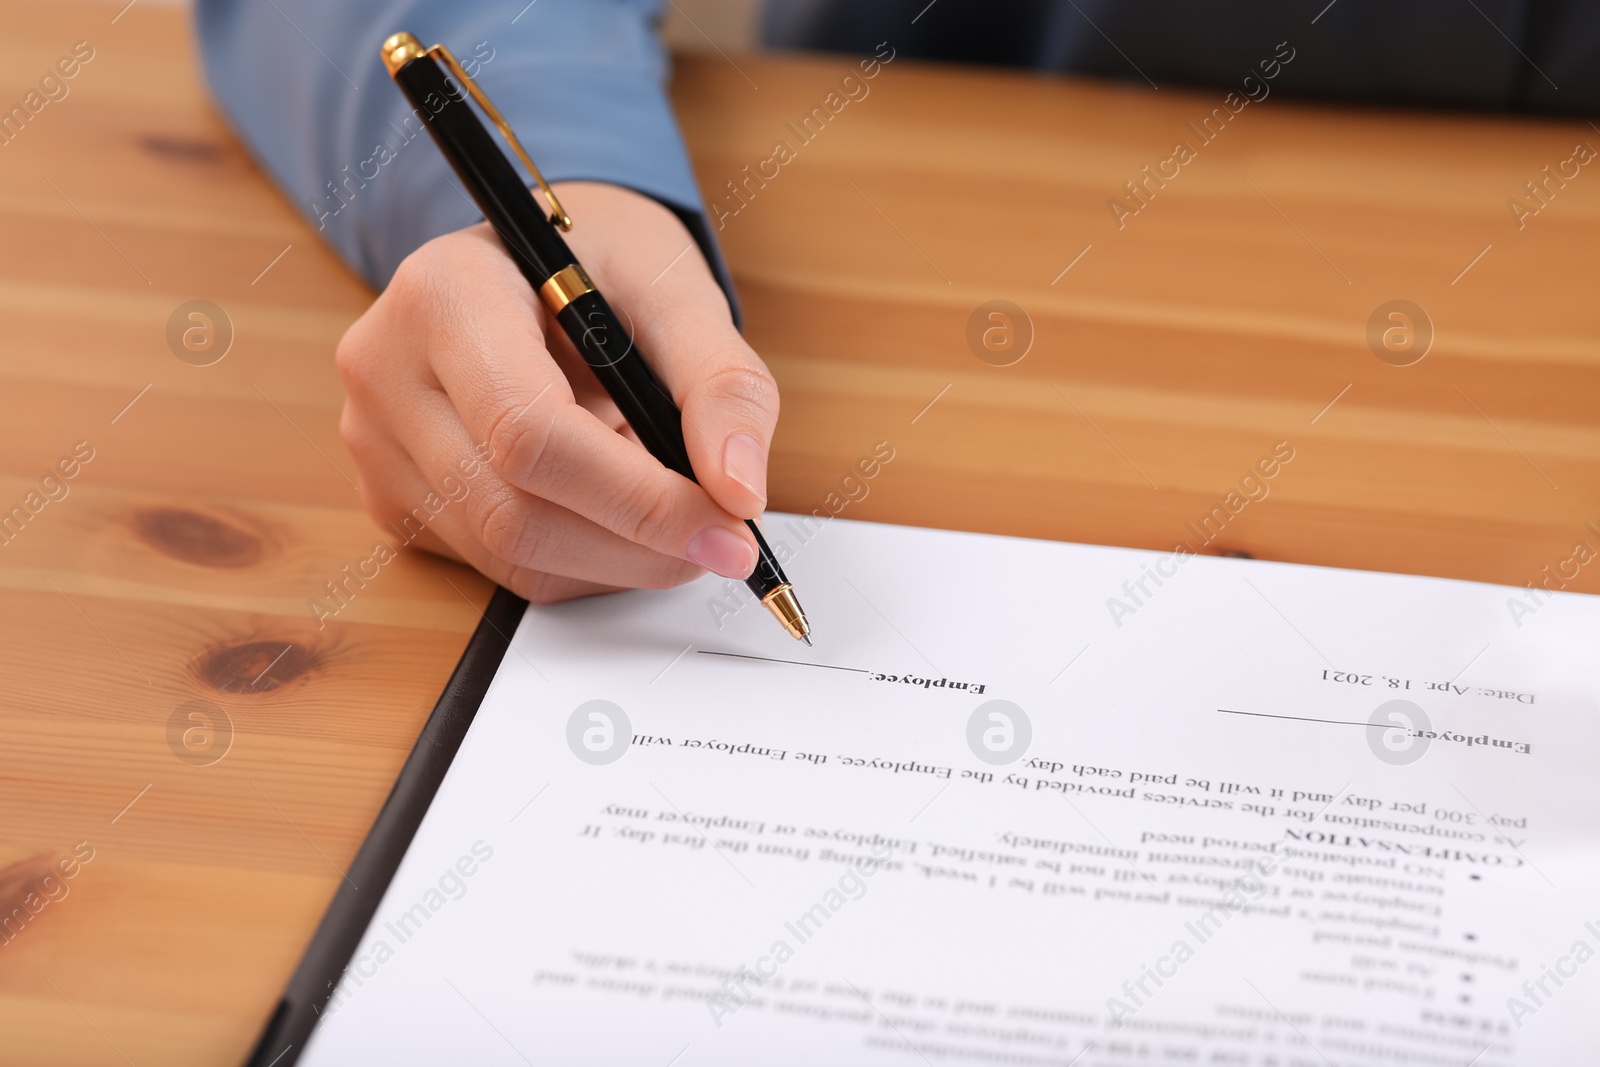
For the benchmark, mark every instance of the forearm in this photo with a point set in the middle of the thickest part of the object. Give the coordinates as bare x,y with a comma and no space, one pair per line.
581,81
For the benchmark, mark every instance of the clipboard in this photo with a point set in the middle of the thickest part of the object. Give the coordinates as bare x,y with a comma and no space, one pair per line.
299,1009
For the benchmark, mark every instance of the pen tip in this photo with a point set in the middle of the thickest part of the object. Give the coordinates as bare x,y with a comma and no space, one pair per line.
807,639
786,609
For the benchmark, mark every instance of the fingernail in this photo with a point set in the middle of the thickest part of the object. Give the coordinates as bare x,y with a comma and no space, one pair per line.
745,461
722,551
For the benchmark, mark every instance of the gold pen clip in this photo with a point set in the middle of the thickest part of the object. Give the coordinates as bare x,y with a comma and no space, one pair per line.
402,48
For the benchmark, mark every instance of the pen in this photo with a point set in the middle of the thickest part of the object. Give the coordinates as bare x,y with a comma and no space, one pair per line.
535,244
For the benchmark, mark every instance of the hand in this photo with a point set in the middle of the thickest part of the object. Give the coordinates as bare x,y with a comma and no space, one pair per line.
471,416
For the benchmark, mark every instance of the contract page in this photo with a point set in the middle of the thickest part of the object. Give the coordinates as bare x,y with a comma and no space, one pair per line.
1023,803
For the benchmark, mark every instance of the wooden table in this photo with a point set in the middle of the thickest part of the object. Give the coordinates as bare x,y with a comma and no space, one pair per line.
1168,356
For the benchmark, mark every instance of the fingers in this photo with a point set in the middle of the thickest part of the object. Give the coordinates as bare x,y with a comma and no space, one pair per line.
666,295
449,496
392,479
490,358
729,400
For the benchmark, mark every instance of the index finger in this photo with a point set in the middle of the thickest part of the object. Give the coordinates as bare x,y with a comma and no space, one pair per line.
491,359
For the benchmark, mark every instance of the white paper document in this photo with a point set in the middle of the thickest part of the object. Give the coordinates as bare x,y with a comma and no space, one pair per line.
1023,803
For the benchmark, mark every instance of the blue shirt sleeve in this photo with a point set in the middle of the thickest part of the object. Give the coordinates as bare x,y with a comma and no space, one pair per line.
583,82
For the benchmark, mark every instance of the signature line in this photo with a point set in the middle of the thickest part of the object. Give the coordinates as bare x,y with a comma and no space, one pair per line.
769,659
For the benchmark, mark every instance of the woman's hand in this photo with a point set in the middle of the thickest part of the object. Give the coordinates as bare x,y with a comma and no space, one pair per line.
462,390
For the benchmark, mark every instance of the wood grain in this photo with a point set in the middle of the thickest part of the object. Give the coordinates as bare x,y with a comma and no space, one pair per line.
1225,316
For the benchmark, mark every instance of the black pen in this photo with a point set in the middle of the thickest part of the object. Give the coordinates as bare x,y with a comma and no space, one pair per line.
534,242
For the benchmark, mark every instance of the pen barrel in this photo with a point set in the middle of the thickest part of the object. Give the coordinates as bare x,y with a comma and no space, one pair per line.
768,575
495,185
608,348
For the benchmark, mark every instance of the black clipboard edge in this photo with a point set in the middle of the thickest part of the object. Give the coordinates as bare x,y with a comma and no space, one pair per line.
349,914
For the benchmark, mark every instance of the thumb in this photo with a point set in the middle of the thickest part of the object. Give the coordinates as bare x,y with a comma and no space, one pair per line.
646,263
728,397
730,409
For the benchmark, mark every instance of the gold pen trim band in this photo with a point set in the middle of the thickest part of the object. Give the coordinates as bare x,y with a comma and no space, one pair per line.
563,287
